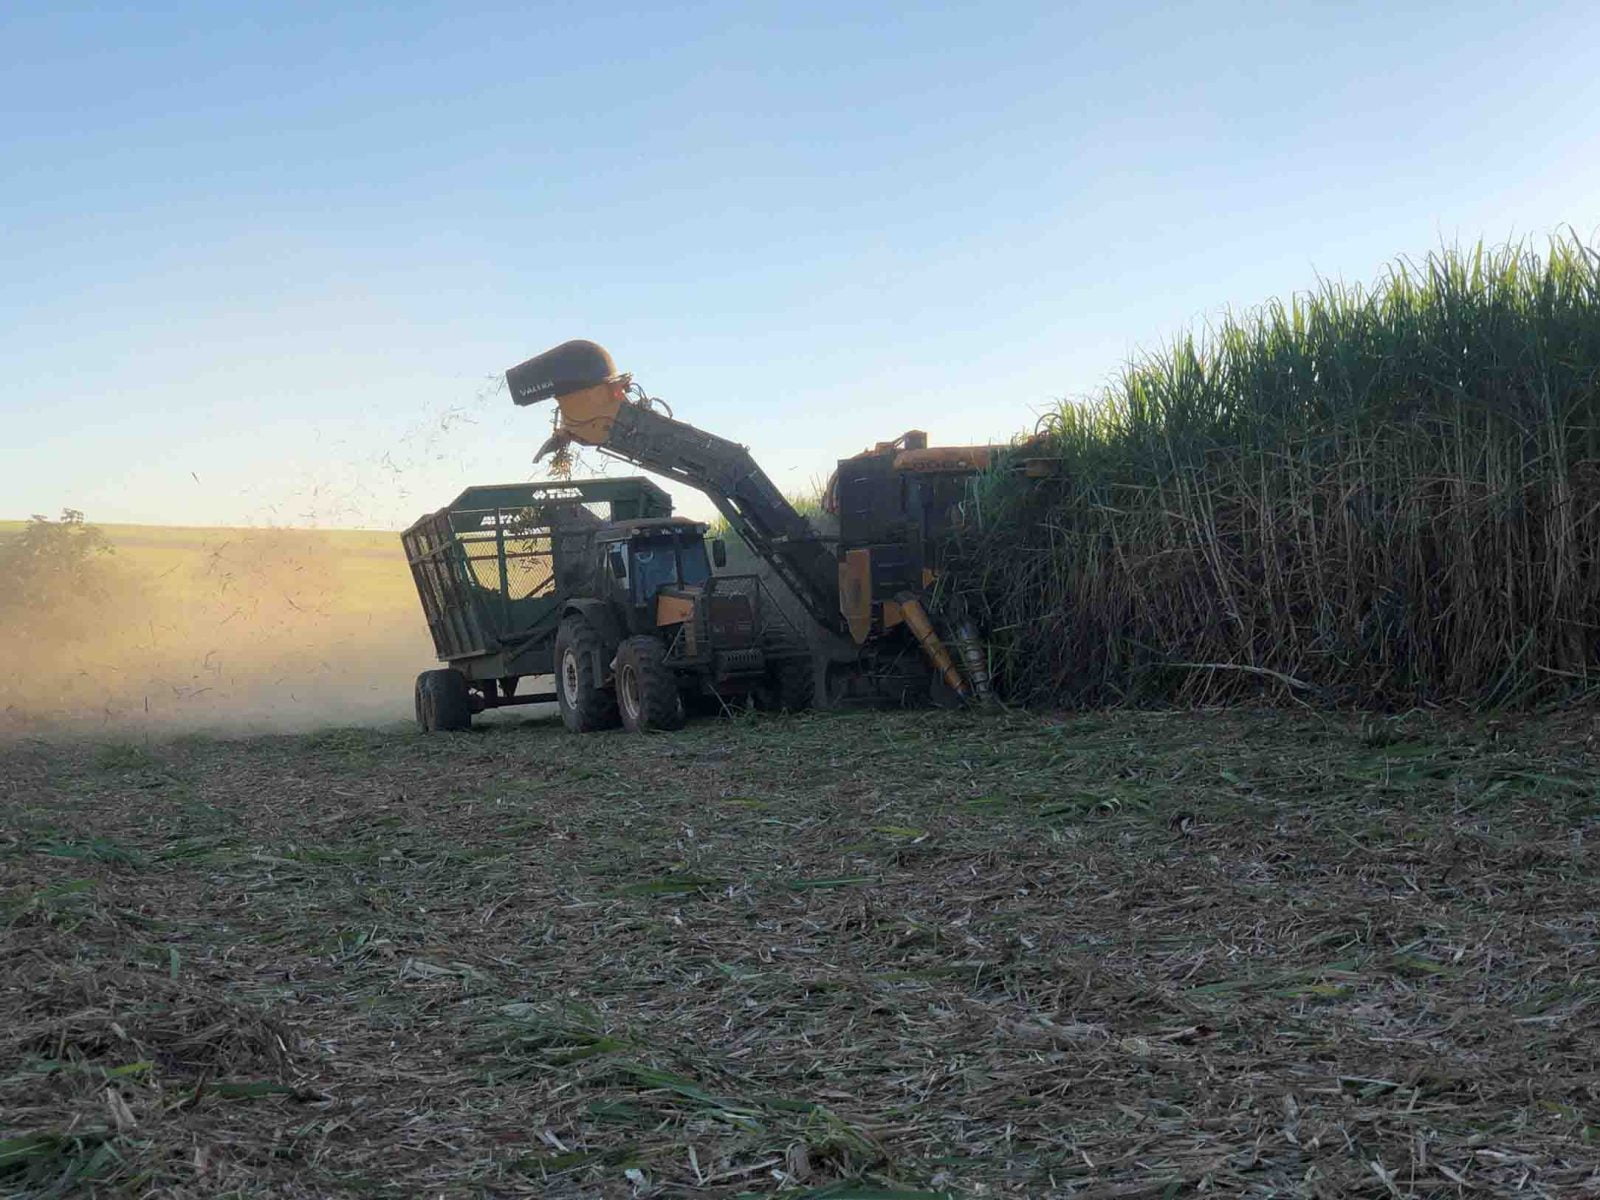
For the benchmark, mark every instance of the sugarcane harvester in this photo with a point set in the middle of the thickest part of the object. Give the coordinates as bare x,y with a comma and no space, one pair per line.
868,591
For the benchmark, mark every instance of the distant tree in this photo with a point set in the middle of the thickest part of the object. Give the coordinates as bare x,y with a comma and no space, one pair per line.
54,576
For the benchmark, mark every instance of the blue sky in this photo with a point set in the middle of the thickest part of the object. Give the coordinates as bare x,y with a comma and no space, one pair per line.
262,265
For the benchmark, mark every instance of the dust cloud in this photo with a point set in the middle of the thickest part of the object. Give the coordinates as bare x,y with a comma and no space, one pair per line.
166,629
286,625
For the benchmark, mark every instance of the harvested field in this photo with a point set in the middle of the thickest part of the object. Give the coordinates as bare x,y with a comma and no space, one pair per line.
1116,955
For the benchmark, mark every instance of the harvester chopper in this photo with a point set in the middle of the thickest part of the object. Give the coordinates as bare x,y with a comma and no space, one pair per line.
596,583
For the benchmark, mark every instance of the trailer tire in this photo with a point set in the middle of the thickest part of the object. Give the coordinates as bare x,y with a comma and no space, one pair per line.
443,702
585,705
647,689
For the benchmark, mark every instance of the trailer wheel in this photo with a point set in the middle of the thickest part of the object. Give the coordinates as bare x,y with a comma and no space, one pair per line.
443,705
585,705
647,690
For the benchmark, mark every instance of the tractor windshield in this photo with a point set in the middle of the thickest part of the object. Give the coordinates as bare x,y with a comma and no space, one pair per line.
667,560
693,566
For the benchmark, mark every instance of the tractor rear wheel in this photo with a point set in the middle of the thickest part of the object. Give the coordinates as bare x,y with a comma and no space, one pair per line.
585,704
442,701
647,690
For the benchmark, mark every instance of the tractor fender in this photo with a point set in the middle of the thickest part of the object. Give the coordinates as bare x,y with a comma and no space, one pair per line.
601,619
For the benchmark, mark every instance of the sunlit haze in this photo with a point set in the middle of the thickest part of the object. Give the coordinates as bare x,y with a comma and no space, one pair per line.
264,266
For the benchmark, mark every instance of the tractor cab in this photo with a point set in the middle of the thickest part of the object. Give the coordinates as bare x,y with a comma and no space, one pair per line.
656,568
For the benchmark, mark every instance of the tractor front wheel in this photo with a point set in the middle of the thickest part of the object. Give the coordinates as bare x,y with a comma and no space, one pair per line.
442,702
647,690
585,704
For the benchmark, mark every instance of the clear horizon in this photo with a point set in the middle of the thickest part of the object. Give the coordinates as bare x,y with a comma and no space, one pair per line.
267,269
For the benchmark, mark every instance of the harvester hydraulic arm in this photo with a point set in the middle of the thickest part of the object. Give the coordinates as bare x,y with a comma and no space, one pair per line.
742,493
596,410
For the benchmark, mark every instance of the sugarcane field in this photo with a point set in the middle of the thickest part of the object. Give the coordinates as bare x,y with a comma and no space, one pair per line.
834,604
